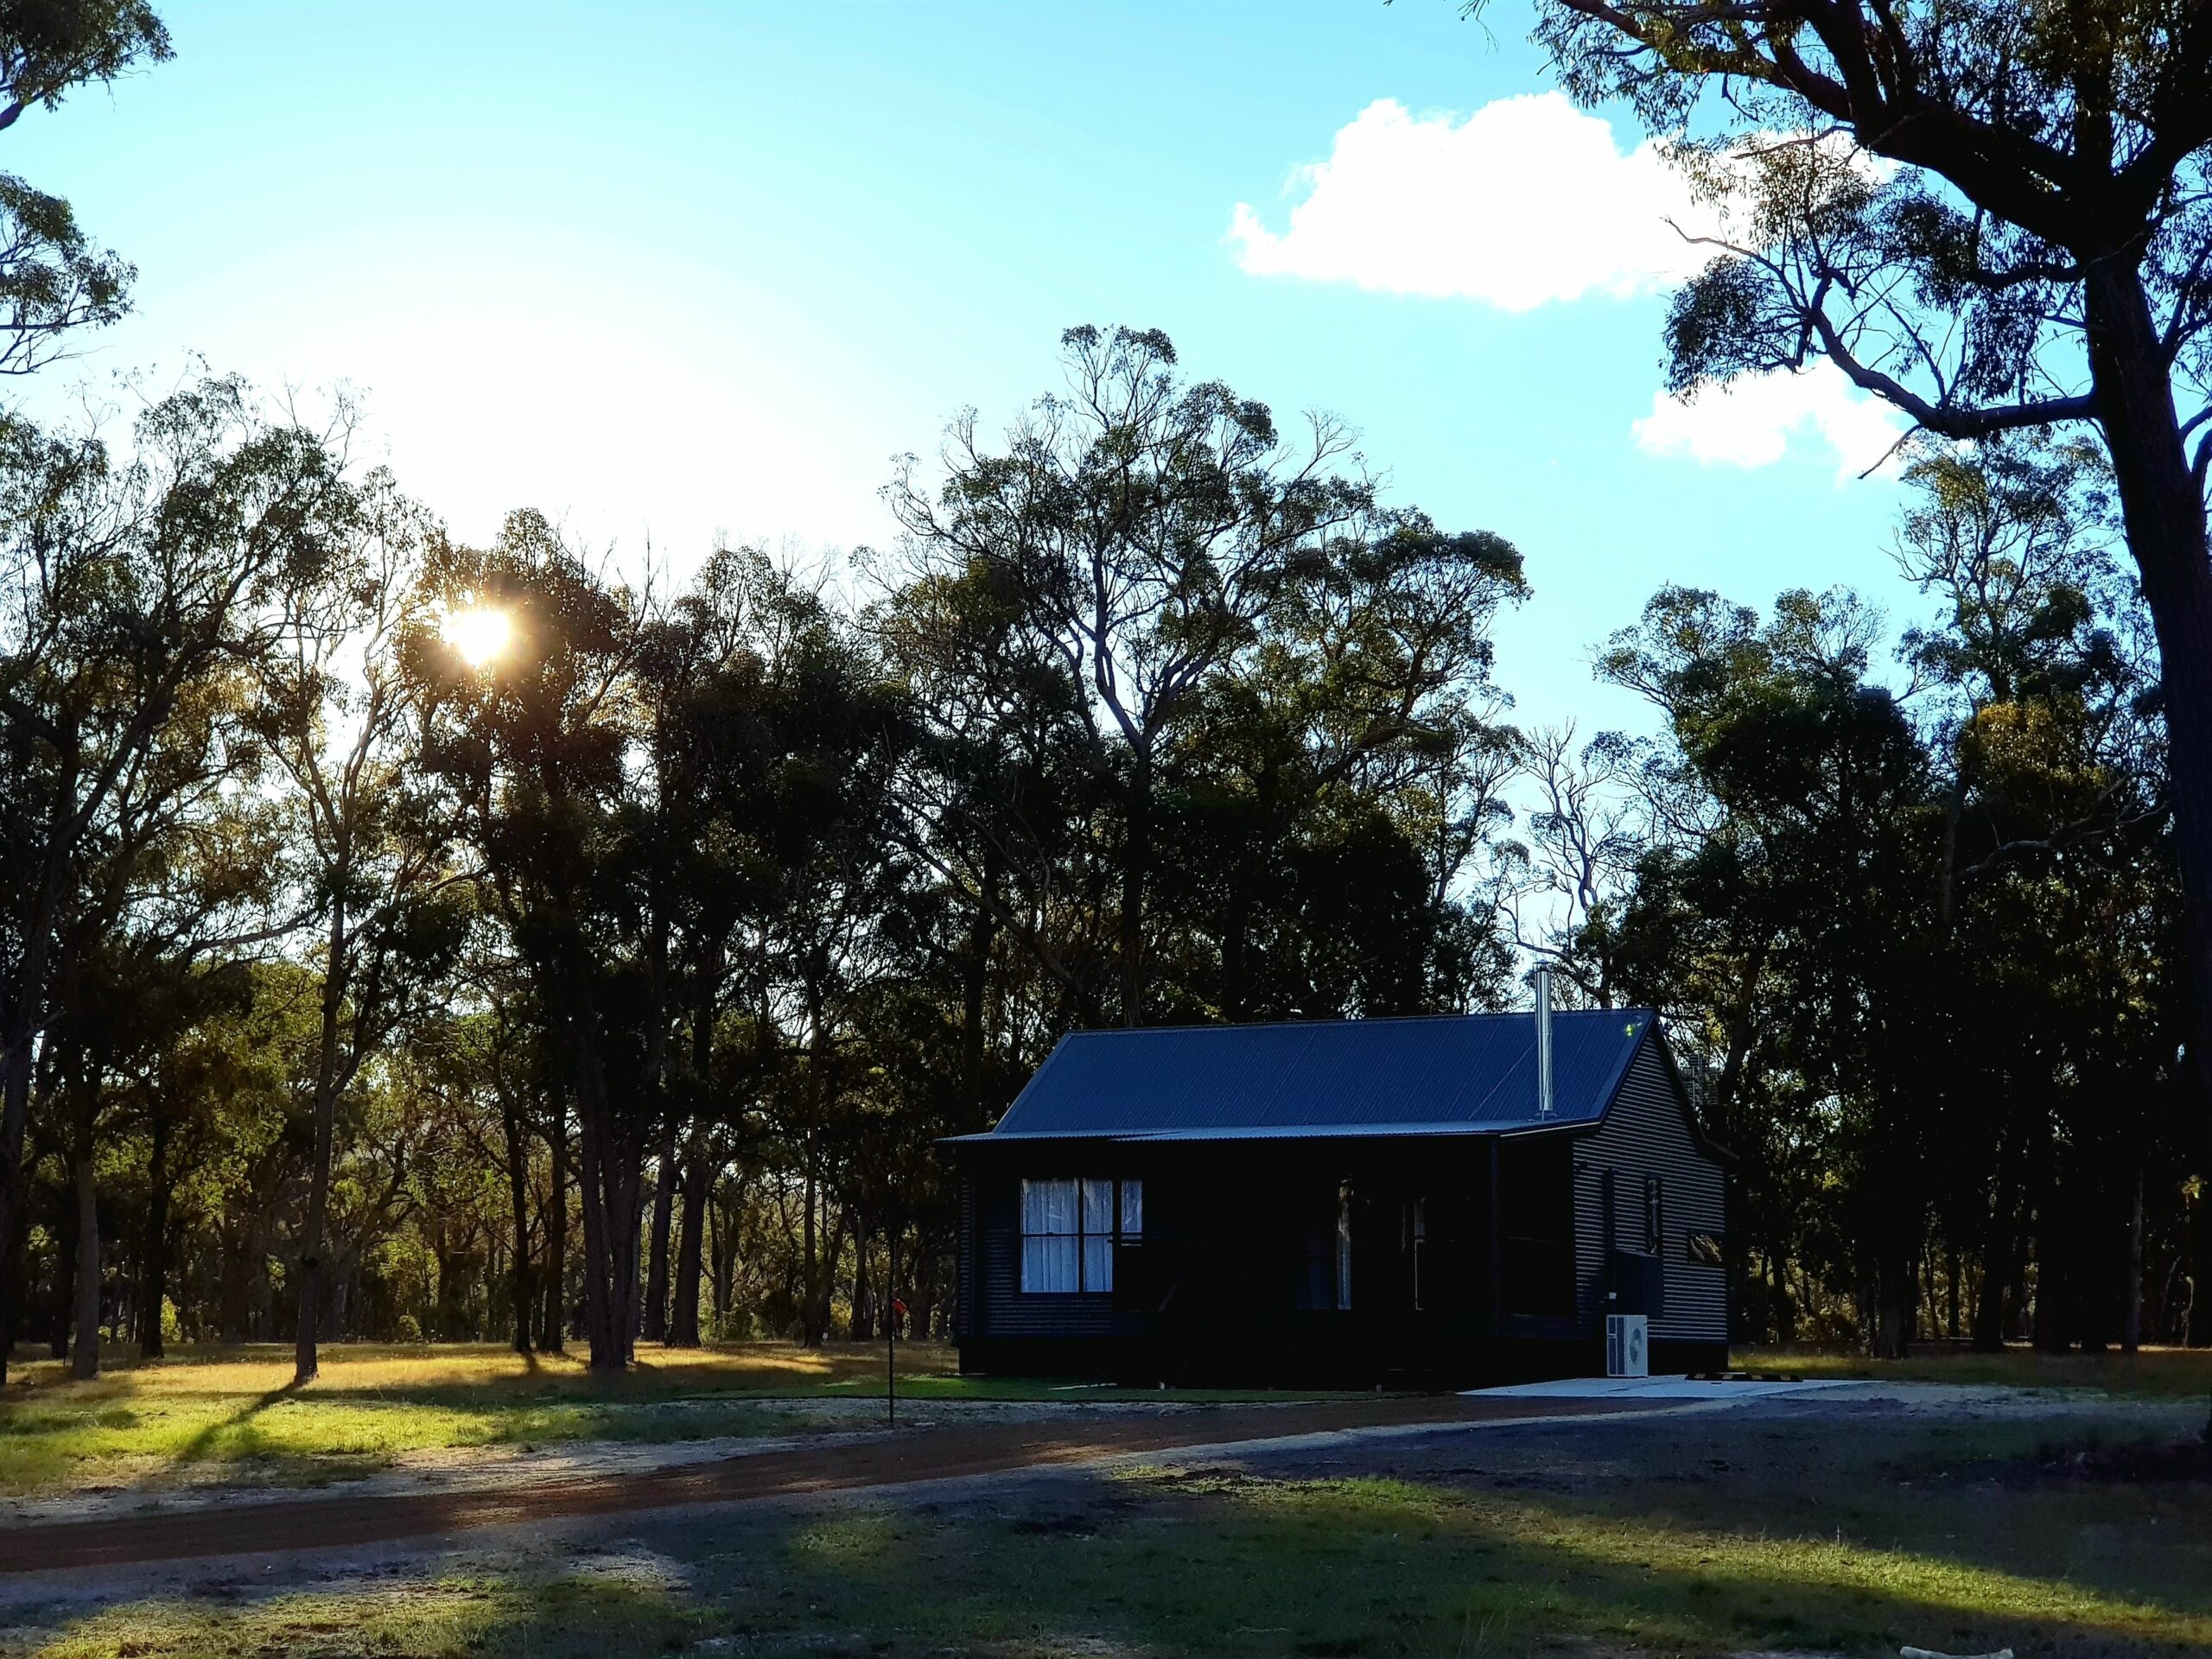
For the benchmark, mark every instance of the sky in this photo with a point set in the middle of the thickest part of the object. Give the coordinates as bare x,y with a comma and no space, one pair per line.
673,273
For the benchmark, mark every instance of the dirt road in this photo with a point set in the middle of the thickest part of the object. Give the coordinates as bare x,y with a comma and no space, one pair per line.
337,1520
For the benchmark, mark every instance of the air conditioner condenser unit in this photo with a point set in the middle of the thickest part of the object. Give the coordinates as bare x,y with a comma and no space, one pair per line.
1628,1344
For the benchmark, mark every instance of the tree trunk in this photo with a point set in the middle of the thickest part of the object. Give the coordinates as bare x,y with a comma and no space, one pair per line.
974,975
664,1184
305,1360
85,1361
517,1151
1136,868
863,1320
155,1249
603,1313
236,1281
2132,1334
626,1199
1998,1247
62,1294
684,1316
553,1335
22,1013
2162,506
724,1245
810,1335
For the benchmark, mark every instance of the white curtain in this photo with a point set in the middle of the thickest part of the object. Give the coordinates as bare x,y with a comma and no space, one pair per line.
1097,1235
1049,1236
1132,1208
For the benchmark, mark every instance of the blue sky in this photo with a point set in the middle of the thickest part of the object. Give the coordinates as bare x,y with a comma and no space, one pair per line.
669,271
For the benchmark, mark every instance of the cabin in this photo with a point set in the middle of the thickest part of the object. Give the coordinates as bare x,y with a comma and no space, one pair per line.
1440,1201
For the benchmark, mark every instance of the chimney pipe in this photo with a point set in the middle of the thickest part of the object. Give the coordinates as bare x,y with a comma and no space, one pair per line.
1543,1040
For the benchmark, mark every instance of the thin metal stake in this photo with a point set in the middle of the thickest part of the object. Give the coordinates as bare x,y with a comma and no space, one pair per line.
890,1337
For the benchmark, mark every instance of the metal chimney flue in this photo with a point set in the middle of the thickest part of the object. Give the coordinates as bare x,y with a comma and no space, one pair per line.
1543,1041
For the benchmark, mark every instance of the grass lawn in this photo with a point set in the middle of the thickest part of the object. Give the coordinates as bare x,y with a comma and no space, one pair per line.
1851,1534
233,1413
2156,1371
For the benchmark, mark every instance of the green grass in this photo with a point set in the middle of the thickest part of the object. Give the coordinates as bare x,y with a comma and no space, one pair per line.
1718,1534
233,1414
2169,1372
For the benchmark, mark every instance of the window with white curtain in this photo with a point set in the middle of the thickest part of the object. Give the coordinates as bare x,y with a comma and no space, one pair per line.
1069,1228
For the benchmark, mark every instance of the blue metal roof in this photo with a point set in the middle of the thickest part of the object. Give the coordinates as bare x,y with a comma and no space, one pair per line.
1453,1073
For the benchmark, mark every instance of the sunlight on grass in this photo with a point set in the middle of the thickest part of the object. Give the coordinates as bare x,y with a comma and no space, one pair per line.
234,1413
1211,1561
181,1418
447,1616
2156,1371
1647,1579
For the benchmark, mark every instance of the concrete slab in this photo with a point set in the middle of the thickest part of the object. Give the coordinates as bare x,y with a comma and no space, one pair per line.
1656,1388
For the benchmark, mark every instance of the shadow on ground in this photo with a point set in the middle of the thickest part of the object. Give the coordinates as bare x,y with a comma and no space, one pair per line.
1806,1528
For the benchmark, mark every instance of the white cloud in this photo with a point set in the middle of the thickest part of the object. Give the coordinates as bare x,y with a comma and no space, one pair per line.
1527,200
1754,420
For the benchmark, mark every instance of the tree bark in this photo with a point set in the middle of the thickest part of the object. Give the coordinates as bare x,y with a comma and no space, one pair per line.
664,1186
2132,1335
553,1335
305,1361
155,1249
811,1333
2162,507
24,1013
603,1313
1136,870
84,1361
684,1316
863,1320
519,1205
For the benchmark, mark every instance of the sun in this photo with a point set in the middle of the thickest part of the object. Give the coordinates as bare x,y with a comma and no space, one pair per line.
479,632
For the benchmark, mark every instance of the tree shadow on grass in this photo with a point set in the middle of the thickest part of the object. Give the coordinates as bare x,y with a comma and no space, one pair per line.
211,1440
1224,1563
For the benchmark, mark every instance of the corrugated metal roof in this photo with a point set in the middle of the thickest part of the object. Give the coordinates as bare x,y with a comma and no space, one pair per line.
1343,1077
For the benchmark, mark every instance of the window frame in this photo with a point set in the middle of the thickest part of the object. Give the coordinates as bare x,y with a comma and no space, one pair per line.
1114,1235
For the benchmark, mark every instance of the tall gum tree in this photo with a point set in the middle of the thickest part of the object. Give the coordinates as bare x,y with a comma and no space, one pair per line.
1144,523
1995,217
132,590
335,717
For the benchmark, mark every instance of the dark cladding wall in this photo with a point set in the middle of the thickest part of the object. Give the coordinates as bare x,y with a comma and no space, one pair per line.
999,1311
1648,1133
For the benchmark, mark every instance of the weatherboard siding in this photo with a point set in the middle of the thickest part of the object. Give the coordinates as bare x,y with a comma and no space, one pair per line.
1648,1133
1003,1310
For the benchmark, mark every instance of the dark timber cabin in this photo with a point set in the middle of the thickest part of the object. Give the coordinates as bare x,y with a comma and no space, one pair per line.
1346,1202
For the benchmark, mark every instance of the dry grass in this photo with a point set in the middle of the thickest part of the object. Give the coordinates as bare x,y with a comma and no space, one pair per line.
2167,1372
234,1413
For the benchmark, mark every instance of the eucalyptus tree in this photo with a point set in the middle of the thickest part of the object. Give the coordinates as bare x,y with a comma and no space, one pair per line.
334,717
1807,962
1996,217
1308,779
535,750
1144,523
2056,893
53,279
140,591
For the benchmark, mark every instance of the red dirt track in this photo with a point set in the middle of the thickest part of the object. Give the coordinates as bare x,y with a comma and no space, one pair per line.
339,1523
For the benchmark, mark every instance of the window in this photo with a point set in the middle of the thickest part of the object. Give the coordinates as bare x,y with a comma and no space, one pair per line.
1069,1228
1417,1225
1704,1249
1325,1276
1655,1218
1344,1245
